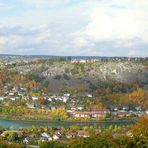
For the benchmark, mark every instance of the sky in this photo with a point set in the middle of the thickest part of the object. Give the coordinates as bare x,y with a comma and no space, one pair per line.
74,27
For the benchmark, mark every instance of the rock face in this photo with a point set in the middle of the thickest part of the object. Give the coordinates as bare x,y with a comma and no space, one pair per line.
104,71
122,72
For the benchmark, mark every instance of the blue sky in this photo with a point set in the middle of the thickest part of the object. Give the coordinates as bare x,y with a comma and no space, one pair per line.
74,27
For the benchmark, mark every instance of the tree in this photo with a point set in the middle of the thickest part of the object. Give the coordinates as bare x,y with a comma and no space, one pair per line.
140,132
125,142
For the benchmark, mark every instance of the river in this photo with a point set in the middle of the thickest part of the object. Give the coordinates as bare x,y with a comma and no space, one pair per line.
15,124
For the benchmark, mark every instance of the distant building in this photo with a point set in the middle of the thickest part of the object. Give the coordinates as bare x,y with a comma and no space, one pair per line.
1,98
83,134
35,98
70,134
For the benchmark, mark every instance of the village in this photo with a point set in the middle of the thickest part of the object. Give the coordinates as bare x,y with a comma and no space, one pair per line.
48,134
70,104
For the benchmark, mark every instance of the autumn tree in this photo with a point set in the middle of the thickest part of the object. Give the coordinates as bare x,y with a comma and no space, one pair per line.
140,132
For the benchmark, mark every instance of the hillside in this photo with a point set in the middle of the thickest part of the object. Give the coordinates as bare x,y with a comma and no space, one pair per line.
84,74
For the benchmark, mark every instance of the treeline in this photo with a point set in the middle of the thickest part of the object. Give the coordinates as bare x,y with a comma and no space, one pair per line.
132,94
103,141
5,144
34,114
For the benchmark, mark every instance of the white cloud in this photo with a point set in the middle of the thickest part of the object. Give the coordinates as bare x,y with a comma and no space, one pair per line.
136,53
120,22
88,27
18,38
46,3
132,53
3,40
4,6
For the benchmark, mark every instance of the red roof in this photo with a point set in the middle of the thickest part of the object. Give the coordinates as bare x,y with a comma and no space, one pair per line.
83,134
122,113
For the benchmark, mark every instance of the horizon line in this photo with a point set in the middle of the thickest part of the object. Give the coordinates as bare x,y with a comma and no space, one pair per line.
71,55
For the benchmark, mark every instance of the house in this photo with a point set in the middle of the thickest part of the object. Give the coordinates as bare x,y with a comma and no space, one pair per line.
20,94
23,88
11,94
125,108
1,98
49,99
58,133
98,114
73,108
26,140
81,114
146,112
94,114
14,89
89,96
53,97
74,61
35,98
129,133
29,138
69,111
83,134
115,108
55,137
64,99
30,105
67,95
13,99
138,108
70,135
82,61
80,107
52,107
46,136
122,113
118,134
105,111
139,113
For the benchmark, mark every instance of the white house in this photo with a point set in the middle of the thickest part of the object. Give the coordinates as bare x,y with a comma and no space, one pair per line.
30,105
80,107
146,112
13,99
55,137
99,114
89,96
26,140
46,135
49,99
11,94
67,95
64,99
35,98
81,114
82,61
1,98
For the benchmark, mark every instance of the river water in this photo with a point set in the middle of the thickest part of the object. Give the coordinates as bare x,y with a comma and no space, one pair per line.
14,124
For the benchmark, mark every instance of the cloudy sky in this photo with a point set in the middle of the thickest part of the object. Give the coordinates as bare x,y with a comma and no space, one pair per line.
74,27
